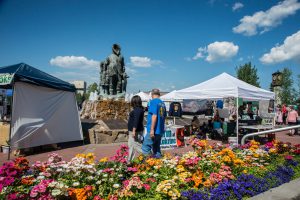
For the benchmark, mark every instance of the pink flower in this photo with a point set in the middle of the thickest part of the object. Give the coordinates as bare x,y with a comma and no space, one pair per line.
288,157
97,198
132,169
146,186
126,183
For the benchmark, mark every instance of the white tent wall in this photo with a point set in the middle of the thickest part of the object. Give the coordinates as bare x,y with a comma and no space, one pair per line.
42,116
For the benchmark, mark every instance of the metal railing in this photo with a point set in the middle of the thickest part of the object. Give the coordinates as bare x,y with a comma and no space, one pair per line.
268,131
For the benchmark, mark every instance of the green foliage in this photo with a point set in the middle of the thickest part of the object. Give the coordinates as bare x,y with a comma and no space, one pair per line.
91,88
248,73
287,95
79,98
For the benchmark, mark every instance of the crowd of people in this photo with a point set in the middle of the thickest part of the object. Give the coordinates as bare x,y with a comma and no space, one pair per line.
287,116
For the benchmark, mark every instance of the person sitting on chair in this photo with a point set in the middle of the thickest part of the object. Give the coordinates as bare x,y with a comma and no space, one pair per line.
217,124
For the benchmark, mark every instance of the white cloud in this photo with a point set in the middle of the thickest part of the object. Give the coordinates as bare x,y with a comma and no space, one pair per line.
217,51
74,62
138,61
237,6
200,53
289,50
263,21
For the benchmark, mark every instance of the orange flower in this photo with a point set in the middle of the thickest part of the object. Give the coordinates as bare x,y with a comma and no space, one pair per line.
207,183
78,193
27,181
197,178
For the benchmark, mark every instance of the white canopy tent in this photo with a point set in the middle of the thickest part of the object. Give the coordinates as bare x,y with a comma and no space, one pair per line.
223,86
171,96
145,97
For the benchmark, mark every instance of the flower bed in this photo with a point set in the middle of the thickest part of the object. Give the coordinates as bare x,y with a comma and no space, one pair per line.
208,172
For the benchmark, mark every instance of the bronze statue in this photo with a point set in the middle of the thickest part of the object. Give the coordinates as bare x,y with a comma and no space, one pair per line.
113,78
104,88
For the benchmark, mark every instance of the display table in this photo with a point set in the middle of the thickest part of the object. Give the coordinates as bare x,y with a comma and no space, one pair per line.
4,132
259,128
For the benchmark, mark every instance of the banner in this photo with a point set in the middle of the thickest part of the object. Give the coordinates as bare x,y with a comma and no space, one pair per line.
5,79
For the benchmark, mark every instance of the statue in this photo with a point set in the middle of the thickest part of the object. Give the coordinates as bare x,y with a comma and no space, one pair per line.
103,79
113,78
124,83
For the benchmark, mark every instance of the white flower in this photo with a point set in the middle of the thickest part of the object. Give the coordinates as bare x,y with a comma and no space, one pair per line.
116,185
61,185
150,174
111,180
90,177
52,184
105,175
155,175
59,170
120,175
40,177
55,192
98,182
75,184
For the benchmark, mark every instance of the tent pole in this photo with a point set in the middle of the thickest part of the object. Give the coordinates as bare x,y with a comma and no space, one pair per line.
11,115
237,120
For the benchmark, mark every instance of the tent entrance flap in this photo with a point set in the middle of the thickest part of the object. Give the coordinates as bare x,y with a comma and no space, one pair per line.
42,115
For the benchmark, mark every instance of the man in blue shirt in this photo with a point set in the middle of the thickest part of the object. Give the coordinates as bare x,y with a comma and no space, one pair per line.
155,125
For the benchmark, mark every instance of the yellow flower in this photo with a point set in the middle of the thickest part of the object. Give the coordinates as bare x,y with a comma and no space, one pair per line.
238,162
180,168
245,171
105,159
80,155
141,157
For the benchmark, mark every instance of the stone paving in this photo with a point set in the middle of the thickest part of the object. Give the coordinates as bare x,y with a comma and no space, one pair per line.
108,150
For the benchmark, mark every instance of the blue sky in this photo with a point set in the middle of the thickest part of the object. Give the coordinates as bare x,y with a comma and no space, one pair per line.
166,44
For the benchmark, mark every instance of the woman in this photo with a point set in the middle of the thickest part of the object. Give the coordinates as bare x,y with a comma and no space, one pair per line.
284,113
292,120
135,127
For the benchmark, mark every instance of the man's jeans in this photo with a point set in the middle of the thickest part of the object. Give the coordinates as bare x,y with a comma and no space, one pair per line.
152,144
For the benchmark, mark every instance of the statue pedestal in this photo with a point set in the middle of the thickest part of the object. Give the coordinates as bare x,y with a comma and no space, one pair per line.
109,120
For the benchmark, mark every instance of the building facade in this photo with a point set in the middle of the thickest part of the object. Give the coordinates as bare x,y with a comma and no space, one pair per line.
80,86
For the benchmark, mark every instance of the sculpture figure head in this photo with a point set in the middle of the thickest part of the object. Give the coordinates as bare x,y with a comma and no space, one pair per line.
116,49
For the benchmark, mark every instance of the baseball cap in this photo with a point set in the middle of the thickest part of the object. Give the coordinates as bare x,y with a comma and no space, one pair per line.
155,92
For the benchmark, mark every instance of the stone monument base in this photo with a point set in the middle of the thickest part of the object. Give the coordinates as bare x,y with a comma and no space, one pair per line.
110,121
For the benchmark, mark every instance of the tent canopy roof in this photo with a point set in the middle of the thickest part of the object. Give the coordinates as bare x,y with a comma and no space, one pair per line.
144,96
222,86
26,73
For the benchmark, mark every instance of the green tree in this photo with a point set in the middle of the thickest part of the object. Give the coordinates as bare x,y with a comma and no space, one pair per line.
79,98
287,94
298,89
91,88
248,73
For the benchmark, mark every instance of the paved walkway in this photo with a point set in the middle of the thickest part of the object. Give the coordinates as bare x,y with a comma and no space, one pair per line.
108,150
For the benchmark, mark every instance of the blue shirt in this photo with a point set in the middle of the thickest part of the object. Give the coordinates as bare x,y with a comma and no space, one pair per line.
157,107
